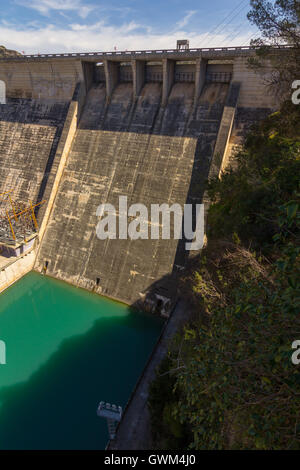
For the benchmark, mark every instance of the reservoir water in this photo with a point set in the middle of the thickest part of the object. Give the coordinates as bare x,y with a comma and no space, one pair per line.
66,350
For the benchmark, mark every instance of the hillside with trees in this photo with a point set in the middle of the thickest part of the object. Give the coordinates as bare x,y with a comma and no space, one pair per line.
228,381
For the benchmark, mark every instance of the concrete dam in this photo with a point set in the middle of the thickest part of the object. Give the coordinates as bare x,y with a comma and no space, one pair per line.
80,130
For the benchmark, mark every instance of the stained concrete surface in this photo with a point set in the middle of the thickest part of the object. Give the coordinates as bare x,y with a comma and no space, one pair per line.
141,150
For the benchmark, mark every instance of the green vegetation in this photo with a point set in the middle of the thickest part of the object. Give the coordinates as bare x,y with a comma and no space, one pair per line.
228,381
278,22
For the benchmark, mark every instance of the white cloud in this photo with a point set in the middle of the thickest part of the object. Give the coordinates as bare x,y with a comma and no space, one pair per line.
102,36
46,6
185,20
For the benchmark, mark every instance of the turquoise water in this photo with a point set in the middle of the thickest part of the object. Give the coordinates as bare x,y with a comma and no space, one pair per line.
66,350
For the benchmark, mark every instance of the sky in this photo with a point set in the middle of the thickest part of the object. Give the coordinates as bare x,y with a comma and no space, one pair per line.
55,26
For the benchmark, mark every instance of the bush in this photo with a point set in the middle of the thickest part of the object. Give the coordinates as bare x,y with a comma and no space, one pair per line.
247,200
230,380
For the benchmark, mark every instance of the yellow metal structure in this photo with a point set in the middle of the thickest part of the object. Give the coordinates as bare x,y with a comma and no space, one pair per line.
27,213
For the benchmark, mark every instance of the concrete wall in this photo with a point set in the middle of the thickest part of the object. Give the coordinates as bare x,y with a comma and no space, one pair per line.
151,142
254,92
12,272
29,134
32,160
145,151
220,158
55,79
47,80
62,153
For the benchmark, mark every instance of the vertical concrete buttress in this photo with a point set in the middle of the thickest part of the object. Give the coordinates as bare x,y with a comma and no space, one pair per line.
200,74
218,163
168,79
111,76
63,150
138,76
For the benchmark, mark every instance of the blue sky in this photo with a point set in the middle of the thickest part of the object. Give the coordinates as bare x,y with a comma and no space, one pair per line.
89,25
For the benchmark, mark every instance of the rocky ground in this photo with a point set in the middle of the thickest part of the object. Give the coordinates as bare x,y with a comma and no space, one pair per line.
8,52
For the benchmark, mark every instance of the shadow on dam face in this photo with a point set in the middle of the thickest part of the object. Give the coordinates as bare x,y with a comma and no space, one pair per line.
29,135
149,153
152,155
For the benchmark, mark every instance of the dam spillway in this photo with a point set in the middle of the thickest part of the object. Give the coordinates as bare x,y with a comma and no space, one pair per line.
147,155
151,126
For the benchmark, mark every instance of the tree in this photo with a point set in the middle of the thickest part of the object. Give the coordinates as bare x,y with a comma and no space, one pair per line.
279,24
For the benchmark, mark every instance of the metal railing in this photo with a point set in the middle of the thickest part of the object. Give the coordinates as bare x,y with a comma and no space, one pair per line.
143,52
